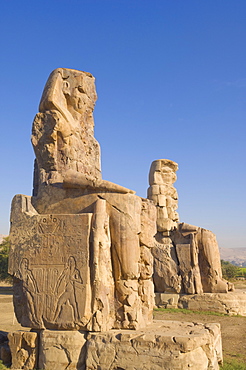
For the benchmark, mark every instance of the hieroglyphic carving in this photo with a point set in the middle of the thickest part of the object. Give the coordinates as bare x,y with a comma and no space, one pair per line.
29,288
52,274
67,287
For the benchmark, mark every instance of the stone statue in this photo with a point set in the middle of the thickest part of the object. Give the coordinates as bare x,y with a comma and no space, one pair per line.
82,243
63,134
186,257
162,175
63,130
82,252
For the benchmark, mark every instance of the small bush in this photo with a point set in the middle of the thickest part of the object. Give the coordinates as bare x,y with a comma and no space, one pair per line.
229,271
2,367
4,256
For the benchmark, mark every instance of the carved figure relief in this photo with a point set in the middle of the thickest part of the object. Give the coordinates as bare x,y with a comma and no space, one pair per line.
52,280
30,289
69,288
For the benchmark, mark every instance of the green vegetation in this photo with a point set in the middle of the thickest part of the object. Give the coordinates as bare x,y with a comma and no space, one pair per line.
2,367
4,254
229,271
185,311
241,272
233,365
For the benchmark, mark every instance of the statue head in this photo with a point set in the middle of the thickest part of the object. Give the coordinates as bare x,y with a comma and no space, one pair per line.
163,171
71,92
71,262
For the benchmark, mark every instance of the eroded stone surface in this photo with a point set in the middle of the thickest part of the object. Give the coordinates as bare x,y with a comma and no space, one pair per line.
82,251
24,349
199,258
167,345
186,257
63,130
51,271
232,303
60,350
80,247
164,345
162,175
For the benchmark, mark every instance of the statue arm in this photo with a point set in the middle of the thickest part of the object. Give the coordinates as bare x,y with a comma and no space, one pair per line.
76,180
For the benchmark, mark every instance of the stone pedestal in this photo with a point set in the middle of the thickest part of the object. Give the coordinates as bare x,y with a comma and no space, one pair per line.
24,349
232,303
167,300
62,350
169,345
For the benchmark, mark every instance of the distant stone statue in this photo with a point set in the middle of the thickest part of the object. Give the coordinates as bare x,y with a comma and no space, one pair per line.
186,257
162,175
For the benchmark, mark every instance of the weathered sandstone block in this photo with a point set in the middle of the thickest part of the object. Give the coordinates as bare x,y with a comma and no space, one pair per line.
60,350
166,345
24,349
232,303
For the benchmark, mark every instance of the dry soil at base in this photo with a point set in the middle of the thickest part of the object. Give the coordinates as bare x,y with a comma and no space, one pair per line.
233,328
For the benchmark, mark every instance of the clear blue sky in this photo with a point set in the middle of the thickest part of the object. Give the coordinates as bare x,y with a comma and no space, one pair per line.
171,83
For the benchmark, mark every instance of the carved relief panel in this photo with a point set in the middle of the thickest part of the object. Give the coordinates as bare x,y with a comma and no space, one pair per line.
52,280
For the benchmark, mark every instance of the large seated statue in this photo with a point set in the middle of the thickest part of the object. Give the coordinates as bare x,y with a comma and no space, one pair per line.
186,257
81,246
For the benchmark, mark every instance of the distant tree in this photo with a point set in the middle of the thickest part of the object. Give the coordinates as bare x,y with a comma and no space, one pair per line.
4,254
229,271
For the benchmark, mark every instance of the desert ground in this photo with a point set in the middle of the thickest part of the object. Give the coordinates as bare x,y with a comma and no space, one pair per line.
233,328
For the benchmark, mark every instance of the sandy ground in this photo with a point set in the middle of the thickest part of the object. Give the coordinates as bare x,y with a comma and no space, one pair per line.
233,328
8,320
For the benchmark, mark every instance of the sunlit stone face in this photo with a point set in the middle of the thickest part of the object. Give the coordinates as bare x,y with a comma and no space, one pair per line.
167,175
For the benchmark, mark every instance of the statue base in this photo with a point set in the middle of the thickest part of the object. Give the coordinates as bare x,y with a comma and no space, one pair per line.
231,303
161,345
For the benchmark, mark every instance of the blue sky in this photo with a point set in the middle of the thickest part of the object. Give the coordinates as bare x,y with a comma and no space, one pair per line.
171,83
